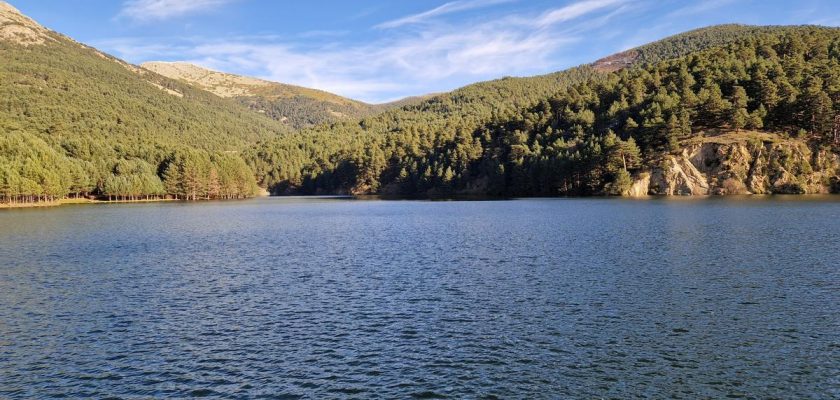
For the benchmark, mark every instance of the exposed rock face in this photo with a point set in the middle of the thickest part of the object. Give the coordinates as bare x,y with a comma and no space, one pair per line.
678,176
746,166
640,187
616,62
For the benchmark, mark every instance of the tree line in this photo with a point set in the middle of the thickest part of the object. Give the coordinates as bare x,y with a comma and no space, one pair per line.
579,132
31,171
77,123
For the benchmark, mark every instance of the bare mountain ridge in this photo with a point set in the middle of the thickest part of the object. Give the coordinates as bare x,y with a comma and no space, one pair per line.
230,85
20,29
49,80
294,106
297,106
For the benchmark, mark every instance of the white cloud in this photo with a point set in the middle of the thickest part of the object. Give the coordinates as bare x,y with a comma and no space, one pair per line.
575,10
437,58
148,10
448,8
391,68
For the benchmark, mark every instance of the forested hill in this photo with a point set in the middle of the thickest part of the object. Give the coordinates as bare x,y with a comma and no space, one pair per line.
296,106
75,121
684,44
728,109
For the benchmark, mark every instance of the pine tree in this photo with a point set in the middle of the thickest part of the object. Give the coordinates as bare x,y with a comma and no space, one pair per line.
673,132
738,113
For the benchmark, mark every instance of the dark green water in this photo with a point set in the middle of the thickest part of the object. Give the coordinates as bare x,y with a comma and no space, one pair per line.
336,298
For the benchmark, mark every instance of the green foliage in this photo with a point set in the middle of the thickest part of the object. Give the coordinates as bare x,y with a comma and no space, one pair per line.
197,174
701,39
312,108
30,170
620,184
75,122
132,179
563,133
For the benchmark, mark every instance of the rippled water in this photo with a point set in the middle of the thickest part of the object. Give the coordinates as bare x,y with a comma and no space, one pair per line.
335,298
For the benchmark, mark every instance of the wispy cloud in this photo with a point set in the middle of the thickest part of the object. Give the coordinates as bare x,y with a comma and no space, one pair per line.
575,10
437,57
149,10
699,8
448,8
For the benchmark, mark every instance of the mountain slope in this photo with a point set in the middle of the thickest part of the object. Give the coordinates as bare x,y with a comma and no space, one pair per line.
682,44
728,109
65,104
18,28
561,133
293,105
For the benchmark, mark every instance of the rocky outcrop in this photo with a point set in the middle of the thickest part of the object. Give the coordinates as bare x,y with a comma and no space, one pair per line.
616,62
640,186
678,176
742,165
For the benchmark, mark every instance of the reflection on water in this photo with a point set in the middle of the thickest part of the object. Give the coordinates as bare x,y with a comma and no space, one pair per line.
330,297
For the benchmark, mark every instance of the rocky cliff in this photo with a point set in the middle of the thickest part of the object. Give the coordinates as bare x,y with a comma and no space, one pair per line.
745,163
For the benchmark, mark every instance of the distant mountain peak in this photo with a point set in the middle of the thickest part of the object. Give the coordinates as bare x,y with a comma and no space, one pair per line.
18,28
8,9
293,105
218,83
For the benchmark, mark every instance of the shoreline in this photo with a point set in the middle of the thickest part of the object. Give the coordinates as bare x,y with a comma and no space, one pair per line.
68,201
64,202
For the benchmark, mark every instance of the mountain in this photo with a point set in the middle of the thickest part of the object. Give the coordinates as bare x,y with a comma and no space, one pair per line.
725,109
295,106
682,44
74,120
18,28
720,110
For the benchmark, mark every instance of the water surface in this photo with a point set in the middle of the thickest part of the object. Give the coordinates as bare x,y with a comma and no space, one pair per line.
336,298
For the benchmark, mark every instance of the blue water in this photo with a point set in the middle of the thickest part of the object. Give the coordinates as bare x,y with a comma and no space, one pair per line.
338,298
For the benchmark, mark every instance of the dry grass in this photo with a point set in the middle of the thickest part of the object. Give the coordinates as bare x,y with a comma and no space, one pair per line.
230,85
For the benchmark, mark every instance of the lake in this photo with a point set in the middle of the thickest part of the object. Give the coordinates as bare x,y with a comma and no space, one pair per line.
337,298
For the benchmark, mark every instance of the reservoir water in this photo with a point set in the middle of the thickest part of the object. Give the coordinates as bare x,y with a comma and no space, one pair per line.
340,298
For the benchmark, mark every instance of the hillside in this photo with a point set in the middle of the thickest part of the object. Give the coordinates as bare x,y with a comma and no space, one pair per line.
74,120
726,109
296,106
682,44
599,129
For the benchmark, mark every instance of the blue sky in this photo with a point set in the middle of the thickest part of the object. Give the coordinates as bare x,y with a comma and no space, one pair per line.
379,51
